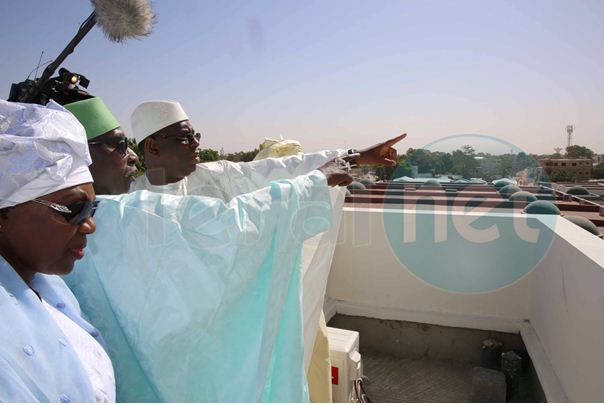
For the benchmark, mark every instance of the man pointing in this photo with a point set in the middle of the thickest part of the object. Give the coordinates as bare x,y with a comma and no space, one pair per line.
170,146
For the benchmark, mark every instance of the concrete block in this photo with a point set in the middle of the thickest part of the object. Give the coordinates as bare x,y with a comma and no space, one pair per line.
488,385
490,355
511,367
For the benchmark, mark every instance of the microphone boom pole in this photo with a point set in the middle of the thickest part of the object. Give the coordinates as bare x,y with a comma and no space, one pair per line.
118,19
50,69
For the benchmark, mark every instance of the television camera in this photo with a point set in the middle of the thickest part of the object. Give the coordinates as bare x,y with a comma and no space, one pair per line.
119,20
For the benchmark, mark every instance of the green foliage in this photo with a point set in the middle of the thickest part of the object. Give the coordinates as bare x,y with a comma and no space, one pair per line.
140,165
425,160
402,168
241,156
208,155
507,165
579,152
524,161
598,172
211,155
464,162
561,175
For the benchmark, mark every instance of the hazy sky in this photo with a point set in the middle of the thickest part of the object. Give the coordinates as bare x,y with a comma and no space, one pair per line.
334,73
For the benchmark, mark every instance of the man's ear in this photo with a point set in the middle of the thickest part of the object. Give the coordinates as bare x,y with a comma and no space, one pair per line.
151,147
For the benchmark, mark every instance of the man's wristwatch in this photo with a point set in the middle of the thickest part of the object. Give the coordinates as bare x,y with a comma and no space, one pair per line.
352,155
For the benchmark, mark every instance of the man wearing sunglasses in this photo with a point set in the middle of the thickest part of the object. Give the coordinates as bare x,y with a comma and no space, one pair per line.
113,162
170,147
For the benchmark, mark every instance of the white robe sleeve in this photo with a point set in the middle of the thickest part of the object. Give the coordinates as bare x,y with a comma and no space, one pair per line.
202,298
233,179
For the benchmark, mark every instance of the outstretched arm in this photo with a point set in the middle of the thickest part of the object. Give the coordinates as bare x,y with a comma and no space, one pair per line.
381,154
234,179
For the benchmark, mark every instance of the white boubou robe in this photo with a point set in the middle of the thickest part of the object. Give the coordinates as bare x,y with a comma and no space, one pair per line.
225,180
200,299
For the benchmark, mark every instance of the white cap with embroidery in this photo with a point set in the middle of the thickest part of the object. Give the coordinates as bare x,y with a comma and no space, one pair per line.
151,116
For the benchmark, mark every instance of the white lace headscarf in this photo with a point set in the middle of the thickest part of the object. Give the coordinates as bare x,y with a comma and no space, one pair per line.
43,149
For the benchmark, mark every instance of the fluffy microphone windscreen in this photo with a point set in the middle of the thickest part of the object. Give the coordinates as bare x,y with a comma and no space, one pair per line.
123,19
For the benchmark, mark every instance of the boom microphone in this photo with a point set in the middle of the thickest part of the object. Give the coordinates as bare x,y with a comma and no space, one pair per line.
119,20
123,19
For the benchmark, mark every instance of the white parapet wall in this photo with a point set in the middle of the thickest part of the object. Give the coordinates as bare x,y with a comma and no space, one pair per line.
561,299
567,311
368,279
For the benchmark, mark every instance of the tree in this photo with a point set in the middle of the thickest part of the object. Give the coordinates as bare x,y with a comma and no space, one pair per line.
464,162
446,162
208,155
422,159
468,150
429,162
523,161
561,175
506,163
241,156
579,152
598,172
402,168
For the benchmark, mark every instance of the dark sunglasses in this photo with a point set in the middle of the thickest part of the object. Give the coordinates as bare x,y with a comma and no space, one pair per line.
119,144
185,139
75,213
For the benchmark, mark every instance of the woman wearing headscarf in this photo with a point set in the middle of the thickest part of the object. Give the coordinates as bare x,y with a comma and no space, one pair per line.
48,353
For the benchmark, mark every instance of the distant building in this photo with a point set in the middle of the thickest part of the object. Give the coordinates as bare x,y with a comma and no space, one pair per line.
581,168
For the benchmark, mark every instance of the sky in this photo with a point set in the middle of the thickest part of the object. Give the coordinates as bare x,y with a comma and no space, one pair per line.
340,74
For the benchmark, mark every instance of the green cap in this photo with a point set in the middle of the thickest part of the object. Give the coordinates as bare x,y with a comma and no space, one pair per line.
94,115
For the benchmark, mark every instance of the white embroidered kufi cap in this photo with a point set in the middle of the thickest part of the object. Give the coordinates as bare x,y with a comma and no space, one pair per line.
43,149
151,116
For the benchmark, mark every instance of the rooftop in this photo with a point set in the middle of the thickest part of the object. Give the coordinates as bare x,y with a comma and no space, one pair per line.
461,196
418,272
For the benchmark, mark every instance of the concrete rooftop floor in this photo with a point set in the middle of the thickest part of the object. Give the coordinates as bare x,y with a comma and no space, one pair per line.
412,362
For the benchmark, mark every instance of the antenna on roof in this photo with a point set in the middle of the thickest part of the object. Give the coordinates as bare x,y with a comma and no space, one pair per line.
38,65
569,131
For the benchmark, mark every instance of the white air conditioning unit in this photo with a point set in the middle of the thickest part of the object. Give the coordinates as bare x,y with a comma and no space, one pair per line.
346,364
